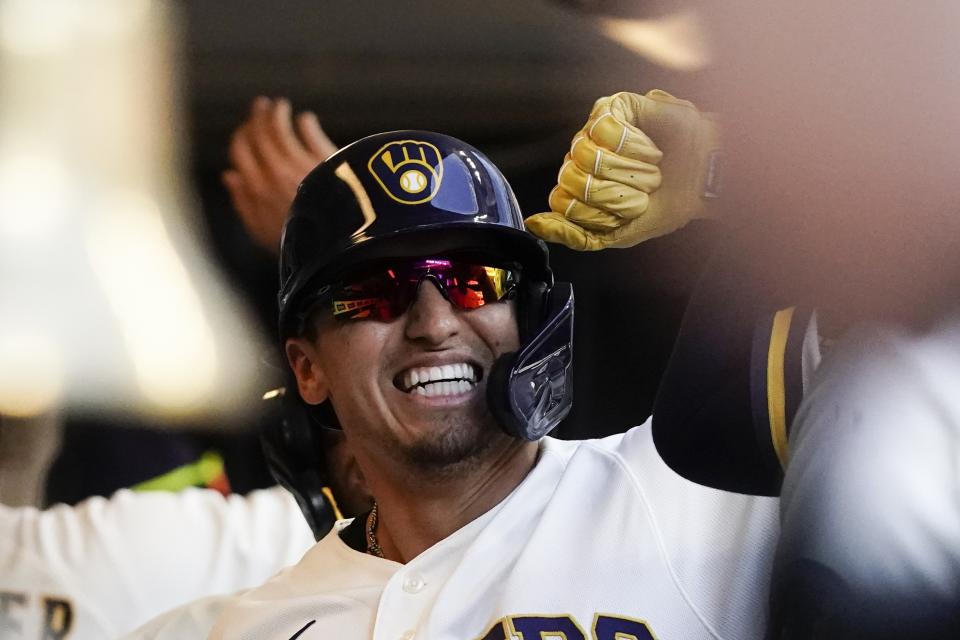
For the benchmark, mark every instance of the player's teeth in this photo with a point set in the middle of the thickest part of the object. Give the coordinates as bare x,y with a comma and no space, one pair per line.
443,388
456,373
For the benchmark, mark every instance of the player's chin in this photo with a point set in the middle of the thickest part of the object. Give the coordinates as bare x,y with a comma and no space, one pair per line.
451,439
447,449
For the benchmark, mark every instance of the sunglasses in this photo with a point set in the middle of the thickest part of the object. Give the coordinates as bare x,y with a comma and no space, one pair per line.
385,291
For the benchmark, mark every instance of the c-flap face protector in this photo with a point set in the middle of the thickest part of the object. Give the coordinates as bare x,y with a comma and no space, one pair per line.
540,381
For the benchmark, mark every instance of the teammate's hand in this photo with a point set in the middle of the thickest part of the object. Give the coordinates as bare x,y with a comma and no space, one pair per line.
641,167
268,159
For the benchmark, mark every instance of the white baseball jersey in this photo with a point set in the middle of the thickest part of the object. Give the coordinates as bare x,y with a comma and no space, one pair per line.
99,569
601,540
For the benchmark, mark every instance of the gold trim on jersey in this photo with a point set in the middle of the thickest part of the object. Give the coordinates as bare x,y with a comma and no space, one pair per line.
776,384
618,635
543,635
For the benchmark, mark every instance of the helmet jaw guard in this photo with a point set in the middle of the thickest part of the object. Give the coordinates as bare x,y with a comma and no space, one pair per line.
358,206
531,391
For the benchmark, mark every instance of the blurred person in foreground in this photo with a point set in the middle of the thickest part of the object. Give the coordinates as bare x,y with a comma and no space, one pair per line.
840,191
846,121
98,569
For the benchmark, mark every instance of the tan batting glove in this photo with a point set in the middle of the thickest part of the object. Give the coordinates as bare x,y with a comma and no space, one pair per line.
642,167
268,159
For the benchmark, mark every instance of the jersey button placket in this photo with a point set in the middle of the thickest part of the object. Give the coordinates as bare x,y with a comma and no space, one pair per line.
402,606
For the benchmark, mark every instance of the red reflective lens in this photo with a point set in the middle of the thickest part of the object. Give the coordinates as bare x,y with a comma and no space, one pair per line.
385,292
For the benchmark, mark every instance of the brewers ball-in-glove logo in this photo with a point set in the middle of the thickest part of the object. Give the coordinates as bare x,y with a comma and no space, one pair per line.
409,171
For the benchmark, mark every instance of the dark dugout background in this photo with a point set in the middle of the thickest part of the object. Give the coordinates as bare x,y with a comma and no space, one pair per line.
515,79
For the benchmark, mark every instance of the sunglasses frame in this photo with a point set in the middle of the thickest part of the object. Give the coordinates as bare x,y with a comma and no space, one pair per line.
329,292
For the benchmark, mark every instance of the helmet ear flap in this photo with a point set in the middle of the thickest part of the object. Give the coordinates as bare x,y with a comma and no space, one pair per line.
295,454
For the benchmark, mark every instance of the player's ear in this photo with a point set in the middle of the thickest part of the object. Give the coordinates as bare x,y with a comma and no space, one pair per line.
311,379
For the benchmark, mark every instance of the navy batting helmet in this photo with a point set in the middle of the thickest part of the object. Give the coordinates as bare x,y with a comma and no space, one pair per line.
418,194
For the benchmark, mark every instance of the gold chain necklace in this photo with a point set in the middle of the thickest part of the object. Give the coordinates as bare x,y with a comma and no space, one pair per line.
373,547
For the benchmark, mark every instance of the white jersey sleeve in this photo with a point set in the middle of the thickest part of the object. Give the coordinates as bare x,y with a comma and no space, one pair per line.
600,541
101,568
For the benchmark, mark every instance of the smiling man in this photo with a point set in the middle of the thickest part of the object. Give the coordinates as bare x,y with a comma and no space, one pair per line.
420,318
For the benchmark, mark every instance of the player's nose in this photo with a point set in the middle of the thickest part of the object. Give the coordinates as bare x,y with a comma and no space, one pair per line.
431,317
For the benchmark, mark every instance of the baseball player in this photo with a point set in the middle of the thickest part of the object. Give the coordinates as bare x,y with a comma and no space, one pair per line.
422,319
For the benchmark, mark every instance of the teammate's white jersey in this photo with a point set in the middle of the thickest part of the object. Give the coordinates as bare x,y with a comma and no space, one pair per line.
97,570
871,490
189,621
601,540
